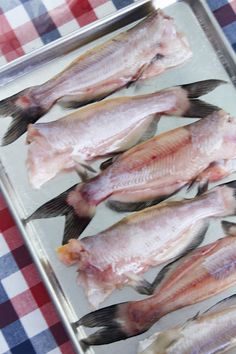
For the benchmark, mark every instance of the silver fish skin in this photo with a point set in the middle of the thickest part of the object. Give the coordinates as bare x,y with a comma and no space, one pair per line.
203,273
146,50
212,332
150,171
107,127
120,254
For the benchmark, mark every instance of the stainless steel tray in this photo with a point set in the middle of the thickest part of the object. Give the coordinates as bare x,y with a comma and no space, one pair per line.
213,58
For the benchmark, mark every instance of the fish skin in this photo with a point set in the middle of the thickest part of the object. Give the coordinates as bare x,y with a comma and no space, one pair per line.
162,164
91,133
205,272
119,254
153,169
213,332
195,279
108,127
100,71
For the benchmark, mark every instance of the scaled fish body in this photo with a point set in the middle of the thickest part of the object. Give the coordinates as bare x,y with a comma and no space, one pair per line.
201,274
212,332
149,171
107,127
118,255
145,50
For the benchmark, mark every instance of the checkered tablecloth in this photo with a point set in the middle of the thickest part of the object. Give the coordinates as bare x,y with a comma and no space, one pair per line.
28,321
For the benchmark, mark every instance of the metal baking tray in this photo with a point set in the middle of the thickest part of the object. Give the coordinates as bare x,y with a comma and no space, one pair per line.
212,58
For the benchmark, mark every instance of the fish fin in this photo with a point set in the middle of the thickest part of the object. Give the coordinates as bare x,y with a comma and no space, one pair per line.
74,225
136,281
107,163
88,167
199,109
55,207
192,184
198,238
84,346
84,165
200,88
119,206
223,304
231,184
17,127
83,175
111,319
23,111
202,187
82,170
148,134
229,227
133,206
146,288
151,129
58,206
104,336
99,318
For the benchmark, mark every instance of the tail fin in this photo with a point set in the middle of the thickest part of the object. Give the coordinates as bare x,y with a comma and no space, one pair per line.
113,327
23,111
74,225
199,108
201,88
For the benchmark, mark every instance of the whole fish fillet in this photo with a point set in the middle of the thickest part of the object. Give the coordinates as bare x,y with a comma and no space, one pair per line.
107,127
121,253
200,275
150,171
212,332
146,50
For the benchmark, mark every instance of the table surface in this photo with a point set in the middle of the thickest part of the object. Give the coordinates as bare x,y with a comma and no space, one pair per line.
28,320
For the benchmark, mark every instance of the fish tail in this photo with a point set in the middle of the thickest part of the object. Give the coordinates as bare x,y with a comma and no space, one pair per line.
200,88
199,108
24,110
117,323
78,213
